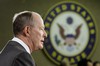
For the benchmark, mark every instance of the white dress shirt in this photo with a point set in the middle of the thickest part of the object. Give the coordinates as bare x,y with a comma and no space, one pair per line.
22,43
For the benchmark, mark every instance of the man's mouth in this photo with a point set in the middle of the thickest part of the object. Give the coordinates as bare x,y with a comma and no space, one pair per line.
42,41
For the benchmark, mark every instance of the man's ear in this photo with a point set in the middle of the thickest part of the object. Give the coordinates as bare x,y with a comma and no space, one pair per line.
26,31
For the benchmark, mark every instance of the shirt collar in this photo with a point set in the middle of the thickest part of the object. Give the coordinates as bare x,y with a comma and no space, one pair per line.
21,43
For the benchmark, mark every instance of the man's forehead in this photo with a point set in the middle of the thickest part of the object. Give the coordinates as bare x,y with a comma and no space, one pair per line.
38,19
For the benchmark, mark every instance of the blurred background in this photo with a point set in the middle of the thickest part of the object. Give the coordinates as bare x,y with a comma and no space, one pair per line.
9,7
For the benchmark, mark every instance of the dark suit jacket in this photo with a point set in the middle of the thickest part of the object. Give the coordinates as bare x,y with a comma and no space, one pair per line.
15,55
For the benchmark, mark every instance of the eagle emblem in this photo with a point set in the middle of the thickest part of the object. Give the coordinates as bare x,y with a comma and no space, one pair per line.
69,38
71,33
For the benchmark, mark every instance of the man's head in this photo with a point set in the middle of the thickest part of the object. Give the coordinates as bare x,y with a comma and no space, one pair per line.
29,27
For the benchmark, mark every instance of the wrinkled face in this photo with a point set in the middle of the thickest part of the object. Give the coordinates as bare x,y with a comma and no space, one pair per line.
37,33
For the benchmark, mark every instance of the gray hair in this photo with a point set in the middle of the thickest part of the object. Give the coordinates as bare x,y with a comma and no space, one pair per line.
20,20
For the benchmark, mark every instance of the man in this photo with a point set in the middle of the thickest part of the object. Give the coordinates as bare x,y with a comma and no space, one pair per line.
29,35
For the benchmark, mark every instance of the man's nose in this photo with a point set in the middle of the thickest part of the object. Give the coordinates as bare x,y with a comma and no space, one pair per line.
45,34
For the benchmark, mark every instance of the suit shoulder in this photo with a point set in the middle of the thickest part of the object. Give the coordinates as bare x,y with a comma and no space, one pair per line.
13,47
11,51
23,59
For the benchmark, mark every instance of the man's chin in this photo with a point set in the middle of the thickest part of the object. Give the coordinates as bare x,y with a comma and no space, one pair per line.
41,47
